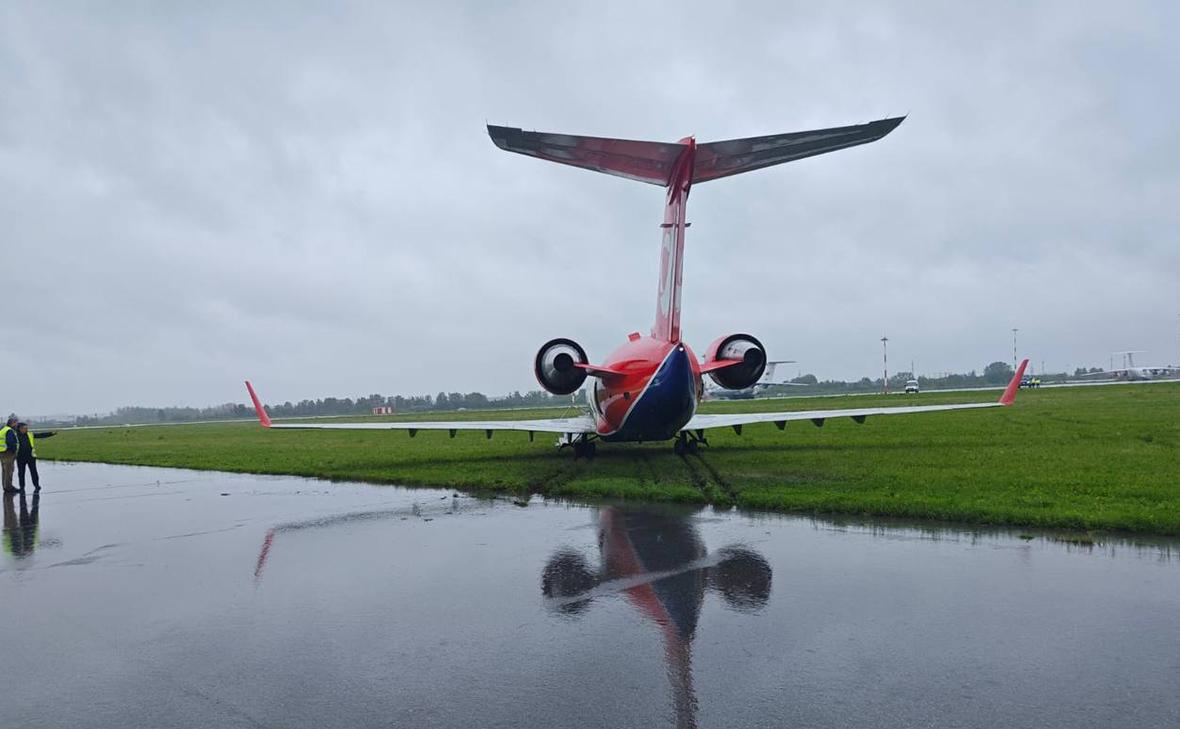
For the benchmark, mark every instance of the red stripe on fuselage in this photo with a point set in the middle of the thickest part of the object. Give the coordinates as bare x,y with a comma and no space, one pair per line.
623,561
667,325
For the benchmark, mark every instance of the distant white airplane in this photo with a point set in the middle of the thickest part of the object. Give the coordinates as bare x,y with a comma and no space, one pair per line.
1132,372
749,393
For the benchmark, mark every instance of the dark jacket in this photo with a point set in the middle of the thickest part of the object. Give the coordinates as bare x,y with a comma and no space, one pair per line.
24,451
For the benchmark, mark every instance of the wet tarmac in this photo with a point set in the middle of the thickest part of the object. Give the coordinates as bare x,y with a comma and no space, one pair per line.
141,597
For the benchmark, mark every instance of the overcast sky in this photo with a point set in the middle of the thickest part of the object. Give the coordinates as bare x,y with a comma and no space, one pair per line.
304,194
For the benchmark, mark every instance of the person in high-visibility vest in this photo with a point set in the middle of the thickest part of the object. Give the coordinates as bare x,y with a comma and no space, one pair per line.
8,446
26,453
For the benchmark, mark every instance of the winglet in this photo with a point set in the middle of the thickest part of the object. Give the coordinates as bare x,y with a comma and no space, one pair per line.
263,418
1009,395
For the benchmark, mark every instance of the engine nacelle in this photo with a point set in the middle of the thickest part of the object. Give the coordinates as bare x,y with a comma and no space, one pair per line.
555,366
749,354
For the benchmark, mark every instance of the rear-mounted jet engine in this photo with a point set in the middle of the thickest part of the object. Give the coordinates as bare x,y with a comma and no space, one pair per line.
750,356
556,366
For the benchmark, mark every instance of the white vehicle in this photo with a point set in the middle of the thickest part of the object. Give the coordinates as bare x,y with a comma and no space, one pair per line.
911,386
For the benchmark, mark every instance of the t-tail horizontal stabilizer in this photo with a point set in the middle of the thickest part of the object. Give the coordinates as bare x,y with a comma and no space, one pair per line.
654,162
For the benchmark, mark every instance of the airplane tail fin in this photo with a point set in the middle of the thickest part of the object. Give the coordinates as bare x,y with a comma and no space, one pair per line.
675,167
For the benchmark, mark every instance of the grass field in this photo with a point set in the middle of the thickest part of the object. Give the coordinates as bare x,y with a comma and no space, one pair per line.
1093,458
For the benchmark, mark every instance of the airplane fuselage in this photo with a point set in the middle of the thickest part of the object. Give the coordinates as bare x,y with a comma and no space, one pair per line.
749,393
1135,373
656,395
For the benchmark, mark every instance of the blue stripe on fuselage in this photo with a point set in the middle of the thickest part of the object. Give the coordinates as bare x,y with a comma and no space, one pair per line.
667,403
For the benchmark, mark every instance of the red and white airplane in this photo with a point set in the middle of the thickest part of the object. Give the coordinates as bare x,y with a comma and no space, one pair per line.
649,388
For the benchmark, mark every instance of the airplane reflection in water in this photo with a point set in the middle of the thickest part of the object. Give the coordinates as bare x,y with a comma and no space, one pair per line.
655,558
20,532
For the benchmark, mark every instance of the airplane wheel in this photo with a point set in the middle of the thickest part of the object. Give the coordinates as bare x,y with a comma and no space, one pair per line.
680,447
591,449
691,446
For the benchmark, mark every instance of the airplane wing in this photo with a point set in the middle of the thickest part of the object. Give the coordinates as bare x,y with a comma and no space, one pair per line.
568,426
737,420
1103,373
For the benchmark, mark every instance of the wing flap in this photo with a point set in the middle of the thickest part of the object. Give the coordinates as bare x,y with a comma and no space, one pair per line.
581,424
736,420
703,421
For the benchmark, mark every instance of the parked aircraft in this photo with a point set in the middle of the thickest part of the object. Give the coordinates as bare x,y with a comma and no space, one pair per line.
1132,372
649,388
713,392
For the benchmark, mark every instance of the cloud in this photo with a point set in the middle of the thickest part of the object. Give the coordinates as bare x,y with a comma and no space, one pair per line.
306,195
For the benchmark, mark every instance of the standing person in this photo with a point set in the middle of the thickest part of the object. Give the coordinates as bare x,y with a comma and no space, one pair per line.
8,446
26,453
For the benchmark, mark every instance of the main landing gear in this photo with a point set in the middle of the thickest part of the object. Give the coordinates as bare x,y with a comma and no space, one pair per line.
583,445
687,443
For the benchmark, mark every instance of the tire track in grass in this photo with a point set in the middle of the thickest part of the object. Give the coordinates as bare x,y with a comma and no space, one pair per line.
715,475
699,480
645,464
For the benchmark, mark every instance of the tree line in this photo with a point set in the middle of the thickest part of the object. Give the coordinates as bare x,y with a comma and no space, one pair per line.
401,404
996,373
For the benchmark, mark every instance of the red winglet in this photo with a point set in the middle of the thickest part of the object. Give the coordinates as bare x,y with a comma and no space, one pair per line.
1009,395
263,418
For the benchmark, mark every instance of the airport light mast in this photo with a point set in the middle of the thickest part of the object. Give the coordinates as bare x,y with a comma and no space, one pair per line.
1014,330
885,363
